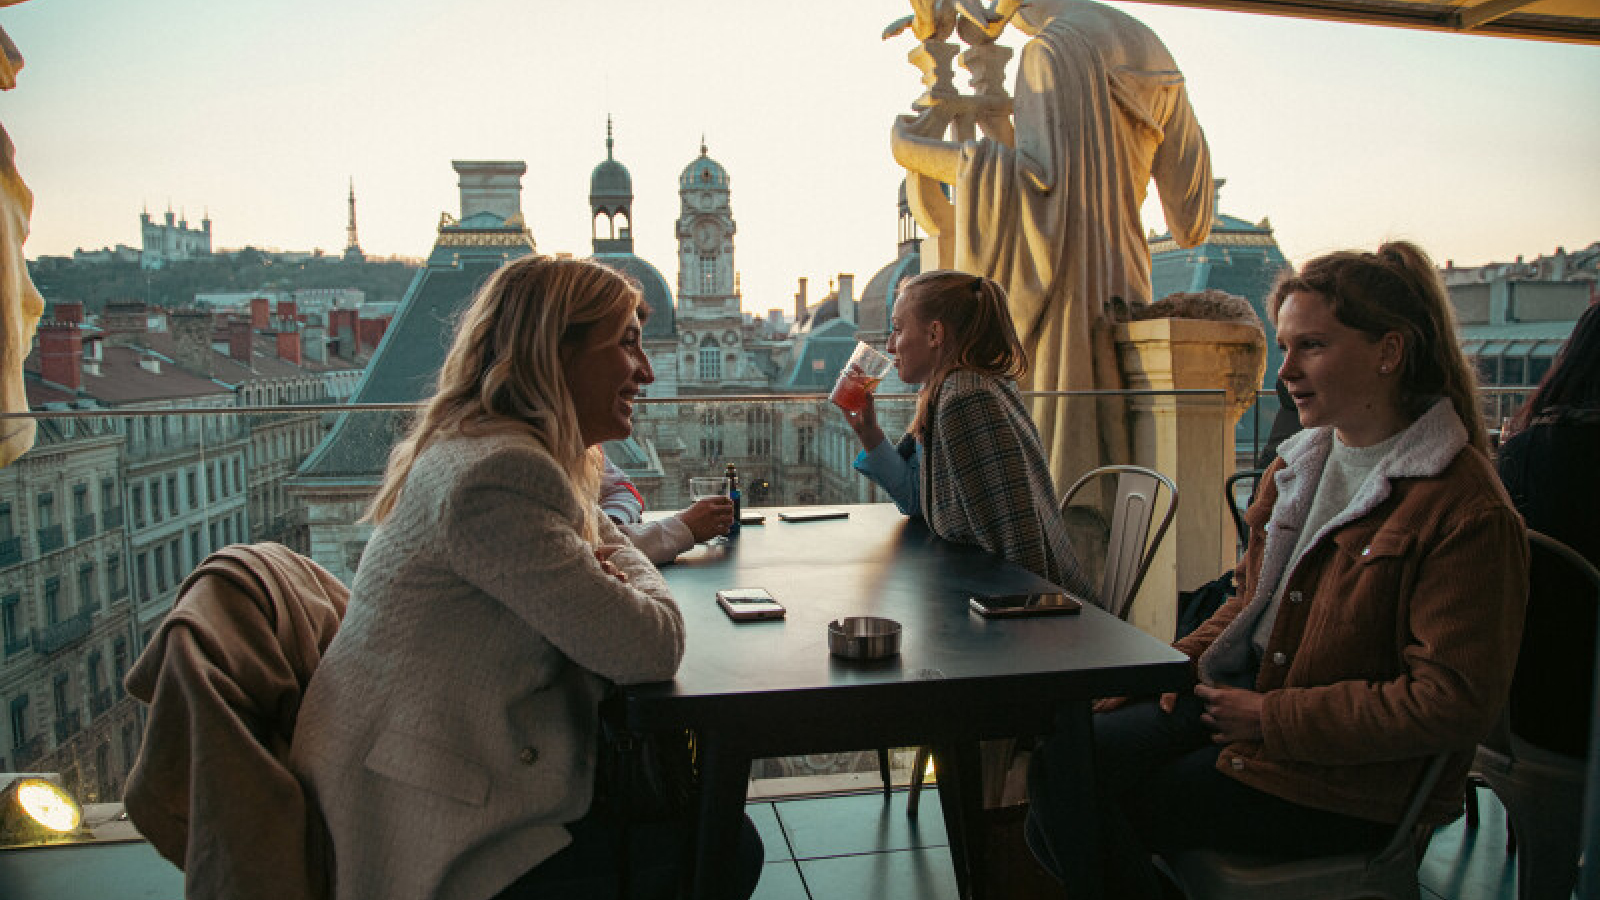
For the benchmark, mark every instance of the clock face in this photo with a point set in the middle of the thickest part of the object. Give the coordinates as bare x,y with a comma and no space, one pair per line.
706,235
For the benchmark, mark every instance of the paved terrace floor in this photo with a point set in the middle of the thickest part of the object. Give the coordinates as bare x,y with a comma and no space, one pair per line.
850,846
859,847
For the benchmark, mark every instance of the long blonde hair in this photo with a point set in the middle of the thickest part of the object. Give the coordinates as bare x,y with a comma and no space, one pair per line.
1397,289
978,332
503,373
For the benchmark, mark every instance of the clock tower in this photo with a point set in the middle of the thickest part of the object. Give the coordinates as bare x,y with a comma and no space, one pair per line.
710,322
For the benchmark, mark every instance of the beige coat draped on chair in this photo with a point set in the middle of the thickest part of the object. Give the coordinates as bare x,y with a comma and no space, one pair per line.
224,675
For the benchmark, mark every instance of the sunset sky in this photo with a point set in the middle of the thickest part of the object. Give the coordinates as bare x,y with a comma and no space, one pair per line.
1480,149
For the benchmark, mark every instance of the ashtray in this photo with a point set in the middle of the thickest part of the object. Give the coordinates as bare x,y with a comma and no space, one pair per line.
864,637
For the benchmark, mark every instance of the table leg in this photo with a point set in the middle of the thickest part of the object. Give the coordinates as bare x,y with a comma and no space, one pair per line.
960,782
1071,775
724,776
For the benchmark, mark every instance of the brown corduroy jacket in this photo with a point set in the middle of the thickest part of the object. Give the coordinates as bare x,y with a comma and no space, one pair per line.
1397,634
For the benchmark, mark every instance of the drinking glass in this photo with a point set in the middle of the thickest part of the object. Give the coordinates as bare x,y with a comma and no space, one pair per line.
701,487
861,376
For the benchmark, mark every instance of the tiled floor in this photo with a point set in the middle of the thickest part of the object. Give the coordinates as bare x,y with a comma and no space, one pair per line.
857,847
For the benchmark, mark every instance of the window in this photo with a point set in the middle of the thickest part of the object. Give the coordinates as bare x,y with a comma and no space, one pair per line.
238,475
96,673
173,554
11,620
161,569
155,500
141,575
19,720
108,494
60,695
172,494
711,434
114,573
52,601
119,662
136,501
758,433
803,436
227,530
192,483
216,535
8,528
710,364
195,552
1538,367
708,273
80,500
47,510
88,597
211,482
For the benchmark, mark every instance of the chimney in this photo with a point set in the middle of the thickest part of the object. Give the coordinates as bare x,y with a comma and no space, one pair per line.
344,328
371,331
847,297
259,313
800,303
61,354
69,311
191,339
124,322
240,334
288,316
491,186
289,346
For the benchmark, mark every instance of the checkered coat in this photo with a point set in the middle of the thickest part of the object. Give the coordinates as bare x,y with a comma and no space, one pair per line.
985,482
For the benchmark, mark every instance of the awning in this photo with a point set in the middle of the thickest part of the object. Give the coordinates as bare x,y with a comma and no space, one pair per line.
1572,21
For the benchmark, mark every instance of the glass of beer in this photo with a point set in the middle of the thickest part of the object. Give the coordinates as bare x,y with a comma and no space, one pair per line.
861,376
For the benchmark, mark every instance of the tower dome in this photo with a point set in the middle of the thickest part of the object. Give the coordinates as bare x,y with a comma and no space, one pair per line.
703,172
610,187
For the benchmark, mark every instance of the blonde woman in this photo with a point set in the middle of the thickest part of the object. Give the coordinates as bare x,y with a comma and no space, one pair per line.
449,734
972,464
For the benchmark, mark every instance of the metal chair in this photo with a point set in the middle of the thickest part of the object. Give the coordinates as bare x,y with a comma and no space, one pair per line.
1542,790
1389,873
1230,493
1129,551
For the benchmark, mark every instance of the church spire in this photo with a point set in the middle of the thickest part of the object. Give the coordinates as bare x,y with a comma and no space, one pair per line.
352,248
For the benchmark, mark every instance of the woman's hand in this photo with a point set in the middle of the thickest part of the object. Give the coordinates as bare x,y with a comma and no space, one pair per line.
708,518
865,424
1234,714
603,554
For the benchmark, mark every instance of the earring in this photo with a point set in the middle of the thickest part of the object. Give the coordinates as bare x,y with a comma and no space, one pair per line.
1384,370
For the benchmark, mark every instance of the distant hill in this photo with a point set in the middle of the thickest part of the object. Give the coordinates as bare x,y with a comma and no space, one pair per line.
175,285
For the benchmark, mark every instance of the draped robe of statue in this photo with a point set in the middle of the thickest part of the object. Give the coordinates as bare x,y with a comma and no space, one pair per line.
1099,108
20,303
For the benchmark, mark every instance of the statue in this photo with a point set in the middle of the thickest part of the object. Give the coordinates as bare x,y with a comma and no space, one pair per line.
20,303
1047,201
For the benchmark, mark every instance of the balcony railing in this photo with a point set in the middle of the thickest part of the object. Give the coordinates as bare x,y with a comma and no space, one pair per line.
28,752
68,725
10,551
63,634
111,518
50,538
83,527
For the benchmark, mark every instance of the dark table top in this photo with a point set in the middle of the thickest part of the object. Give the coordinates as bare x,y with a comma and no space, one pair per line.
877,562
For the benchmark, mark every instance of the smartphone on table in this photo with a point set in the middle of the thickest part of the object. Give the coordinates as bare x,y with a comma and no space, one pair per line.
1012,605
749,604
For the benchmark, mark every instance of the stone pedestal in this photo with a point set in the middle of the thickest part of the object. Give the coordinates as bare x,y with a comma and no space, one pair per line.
1189,438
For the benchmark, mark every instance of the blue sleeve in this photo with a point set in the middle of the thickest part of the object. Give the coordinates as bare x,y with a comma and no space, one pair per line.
901,477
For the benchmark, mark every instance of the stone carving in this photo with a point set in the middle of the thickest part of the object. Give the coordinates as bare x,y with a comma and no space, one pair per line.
1047,200
20,303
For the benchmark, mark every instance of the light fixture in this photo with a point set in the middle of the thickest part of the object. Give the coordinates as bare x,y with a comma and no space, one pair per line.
35,810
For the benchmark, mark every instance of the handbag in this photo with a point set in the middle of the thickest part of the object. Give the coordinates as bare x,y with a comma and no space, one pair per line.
1196,606
649,776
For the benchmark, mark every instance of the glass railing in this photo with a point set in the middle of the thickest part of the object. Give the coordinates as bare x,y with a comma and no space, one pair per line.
148,494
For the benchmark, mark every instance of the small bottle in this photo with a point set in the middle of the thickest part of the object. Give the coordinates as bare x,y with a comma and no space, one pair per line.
733,494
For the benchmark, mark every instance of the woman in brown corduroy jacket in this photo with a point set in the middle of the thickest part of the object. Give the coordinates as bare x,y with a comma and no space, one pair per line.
1380,603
